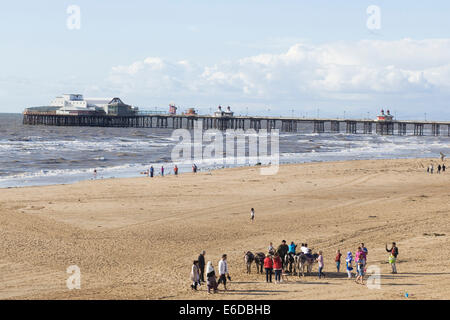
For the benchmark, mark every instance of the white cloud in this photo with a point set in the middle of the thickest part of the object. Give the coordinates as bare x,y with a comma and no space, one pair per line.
339,71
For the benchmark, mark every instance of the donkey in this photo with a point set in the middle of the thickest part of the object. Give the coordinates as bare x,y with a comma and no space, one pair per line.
249,257
259,261
302,260
289,261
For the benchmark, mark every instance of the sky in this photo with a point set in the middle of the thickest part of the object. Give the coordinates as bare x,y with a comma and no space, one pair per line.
285,57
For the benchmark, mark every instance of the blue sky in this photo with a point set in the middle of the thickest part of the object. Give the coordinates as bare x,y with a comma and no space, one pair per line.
268,56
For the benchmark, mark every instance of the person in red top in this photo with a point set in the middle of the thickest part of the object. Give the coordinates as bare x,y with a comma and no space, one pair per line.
277,267
268,265
338,260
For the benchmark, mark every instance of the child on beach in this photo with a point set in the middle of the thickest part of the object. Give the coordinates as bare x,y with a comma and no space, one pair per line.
211,278
271,249
360,270
349,260
338,260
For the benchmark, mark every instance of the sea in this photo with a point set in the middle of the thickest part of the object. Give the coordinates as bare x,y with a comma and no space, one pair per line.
45,155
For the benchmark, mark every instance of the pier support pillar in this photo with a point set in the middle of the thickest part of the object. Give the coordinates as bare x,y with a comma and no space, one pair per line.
401,129
435,129
335,126
367,127
351,127
418,129
385,128
319,126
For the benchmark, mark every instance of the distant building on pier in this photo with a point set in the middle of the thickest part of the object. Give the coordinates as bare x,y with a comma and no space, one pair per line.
221,113
190,112
172,109
386,117
75,104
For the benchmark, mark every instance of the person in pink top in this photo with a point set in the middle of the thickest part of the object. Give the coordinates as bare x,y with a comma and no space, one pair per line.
359,256
358,253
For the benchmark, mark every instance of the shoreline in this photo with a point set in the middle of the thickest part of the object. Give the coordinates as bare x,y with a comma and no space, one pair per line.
211,170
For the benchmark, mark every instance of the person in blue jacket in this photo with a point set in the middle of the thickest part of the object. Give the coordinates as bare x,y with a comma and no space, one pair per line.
292,247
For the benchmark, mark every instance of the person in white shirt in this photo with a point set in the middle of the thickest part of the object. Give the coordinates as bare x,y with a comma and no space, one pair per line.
304,248
223,271
252,214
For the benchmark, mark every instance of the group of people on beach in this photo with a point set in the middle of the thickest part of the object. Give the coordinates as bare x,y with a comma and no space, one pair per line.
198,273
360,262
274,263
439,169
151,171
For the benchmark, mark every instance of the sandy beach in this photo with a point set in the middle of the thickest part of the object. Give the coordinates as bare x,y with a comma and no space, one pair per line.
136,238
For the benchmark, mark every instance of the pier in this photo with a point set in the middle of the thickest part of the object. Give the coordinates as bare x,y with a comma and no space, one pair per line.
284,124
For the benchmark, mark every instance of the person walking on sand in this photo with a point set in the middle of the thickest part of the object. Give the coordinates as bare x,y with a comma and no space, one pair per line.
252,214
223,272
201,265
338,260
175,170
320,261
211,278
152,171
443,167
393,256
268,266
439,169
162,171
277,267
195,276
348,261
431,169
